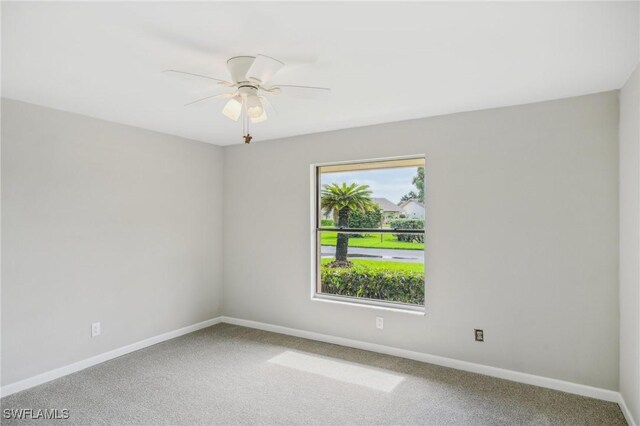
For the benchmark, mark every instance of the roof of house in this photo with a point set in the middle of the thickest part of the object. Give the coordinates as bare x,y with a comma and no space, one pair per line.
386,205
404,203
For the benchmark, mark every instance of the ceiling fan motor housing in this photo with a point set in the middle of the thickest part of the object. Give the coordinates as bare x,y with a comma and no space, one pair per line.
247,90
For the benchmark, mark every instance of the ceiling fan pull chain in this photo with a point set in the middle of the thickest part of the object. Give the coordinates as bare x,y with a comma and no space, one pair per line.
245,123
247,133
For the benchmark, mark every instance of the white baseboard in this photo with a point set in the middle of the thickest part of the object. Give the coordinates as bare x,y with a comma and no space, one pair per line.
625,410
515,376
546,382
106,356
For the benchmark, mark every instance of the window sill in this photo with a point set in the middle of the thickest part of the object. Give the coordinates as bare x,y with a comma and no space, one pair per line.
381,306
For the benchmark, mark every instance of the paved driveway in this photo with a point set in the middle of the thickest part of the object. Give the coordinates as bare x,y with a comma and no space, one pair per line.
378,254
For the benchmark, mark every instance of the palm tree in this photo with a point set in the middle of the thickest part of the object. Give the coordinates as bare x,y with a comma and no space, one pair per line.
341,200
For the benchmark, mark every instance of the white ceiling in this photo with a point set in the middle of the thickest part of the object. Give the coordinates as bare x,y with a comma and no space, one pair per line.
384,61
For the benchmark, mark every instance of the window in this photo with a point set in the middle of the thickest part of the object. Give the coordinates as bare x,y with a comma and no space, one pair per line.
369,233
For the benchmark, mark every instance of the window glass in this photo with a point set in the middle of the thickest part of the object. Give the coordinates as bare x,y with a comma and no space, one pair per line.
370,232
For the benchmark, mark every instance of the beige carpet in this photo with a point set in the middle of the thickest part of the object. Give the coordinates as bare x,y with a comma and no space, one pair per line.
227,374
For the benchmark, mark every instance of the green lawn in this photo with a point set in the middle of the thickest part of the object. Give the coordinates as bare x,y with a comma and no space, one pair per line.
384,265
371,241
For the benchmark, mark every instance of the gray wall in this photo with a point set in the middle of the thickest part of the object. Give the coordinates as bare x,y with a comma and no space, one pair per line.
105,222
630,243
522,236
102,222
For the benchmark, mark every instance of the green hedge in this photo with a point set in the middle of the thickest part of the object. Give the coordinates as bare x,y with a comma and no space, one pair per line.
370,219
357,219
408,224
392,286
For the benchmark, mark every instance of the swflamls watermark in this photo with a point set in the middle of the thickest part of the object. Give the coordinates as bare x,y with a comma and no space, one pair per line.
35,414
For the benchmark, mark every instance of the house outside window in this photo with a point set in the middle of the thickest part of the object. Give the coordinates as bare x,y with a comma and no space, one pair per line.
369,233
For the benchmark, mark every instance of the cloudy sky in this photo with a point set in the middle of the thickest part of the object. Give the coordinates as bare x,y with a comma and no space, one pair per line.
387,183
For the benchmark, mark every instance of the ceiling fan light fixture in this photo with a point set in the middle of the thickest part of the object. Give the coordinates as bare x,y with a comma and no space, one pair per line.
254,107
261,118
233,108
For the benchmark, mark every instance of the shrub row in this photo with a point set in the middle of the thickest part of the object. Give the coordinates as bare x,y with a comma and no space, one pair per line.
392,286
408,224
357,219
370,219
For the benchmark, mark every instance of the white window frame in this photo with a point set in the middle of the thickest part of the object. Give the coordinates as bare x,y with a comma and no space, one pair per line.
316,248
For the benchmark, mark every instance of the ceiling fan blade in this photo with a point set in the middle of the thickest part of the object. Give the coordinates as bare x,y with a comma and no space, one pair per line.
263,69
221,95
305,92
191,74
233,108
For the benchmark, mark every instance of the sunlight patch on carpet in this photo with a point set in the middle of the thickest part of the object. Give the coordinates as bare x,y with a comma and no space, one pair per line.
339,370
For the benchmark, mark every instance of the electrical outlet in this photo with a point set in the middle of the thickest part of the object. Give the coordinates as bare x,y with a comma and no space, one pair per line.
479,335
95,329
379,323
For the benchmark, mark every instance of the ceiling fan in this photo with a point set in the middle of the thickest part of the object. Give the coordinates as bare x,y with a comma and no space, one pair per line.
250,76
